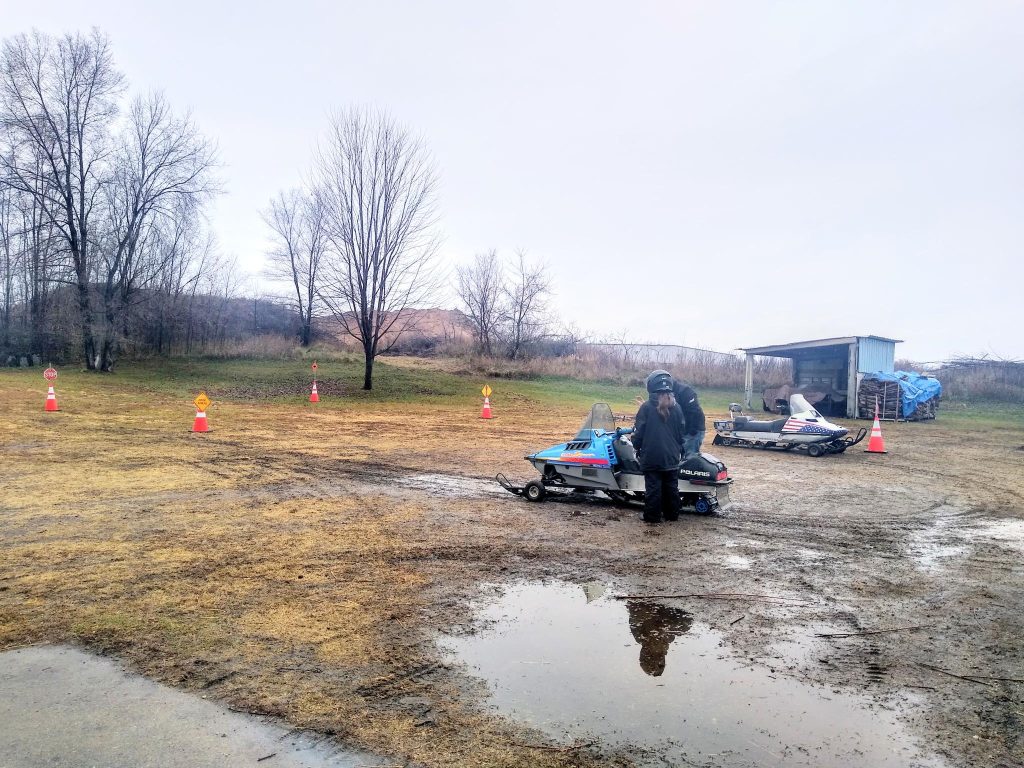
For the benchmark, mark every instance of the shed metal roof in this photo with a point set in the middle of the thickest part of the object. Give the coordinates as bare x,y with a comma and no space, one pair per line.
781,350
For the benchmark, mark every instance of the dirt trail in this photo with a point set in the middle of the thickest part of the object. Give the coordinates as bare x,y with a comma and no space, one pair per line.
301,564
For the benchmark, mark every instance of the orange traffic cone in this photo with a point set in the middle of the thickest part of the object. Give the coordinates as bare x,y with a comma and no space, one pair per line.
486,412
51,400
200,425
313,396
876,444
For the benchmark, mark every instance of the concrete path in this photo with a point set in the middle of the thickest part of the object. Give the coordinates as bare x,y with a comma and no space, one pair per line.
62,708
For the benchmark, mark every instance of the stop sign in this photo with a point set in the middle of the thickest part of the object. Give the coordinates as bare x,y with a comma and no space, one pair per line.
50,374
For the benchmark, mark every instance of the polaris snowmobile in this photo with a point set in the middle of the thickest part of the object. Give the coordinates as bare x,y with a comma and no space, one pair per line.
601,458
804,429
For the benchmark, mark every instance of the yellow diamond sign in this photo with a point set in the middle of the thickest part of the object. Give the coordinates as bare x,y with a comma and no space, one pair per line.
486,391
202,402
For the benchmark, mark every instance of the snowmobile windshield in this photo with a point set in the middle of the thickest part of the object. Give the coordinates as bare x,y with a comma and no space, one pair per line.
799,404
600,417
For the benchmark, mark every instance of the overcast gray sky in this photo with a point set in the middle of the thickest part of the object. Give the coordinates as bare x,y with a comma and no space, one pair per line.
707,173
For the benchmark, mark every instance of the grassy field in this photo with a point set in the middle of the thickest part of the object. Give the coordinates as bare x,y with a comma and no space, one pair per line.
277,565
401,380
396,380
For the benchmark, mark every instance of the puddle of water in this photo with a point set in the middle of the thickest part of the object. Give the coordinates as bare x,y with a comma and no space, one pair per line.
943,540
933,546
1010,532
450,486
738,562
809,554
653,676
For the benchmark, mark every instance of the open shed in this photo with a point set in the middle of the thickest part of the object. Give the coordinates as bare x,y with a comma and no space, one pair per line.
836,364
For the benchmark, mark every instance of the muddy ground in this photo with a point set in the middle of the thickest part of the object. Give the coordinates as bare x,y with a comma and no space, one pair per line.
302,563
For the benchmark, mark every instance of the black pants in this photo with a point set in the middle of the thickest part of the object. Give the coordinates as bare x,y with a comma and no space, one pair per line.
661,495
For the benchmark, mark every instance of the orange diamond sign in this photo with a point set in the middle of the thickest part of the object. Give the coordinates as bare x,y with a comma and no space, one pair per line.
202,402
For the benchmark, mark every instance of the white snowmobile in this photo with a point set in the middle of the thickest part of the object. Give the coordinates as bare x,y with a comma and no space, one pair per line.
804,429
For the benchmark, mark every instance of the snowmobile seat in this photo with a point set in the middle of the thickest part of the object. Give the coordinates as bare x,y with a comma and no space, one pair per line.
746,424
626,454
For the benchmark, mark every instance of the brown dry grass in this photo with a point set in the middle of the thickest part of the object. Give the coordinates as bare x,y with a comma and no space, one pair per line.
258,565
239,563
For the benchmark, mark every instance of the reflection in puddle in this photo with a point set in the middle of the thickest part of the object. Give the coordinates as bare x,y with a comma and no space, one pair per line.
651,675
655,626
594,590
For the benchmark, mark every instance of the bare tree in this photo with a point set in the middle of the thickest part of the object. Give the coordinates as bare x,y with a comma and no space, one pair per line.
479,288
178,242
297,220
160,170
525,298
30,250
58,98
377,185
9,260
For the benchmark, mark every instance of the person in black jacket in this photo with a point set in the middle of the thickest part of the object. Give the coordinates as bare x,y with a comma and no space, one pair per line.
693,414
693,417
658,440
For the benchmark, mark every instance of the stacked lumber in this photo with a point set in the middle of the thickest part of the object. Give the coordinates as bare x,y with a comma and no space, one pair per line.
888,394
890,402
925,410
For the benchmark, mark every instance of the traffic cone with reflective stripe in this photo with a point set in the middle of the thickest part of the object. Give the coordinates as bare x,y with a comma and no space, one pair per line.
200,424
486,412
313,396
876,444
51,400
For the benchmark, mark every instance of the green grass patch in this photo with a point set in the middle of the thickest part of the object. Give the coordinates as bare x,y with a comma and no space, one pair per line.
289,380
341,380
982,414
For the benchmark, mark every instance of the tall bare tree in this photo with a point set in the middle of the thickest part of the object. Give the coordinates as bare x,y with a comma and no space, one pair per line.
58,99
10,256
479,289
178,242
31,258
525,303
160,170
377,185
297,220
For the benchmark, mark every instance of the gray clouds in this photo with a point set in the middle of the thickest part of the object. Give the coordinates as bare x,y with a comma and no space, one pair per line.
768,145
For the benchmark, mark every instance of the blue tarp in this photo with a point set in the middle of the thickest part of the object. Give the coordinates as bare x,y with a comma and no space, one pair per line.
914,388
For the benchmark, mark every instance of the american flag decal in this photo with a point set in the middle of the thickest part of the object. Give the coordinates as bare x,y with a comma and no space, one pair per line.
802,427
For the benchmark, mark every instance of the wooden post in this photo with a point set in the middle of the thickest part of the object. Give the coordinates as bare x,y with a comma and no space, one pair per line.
748,381
851,381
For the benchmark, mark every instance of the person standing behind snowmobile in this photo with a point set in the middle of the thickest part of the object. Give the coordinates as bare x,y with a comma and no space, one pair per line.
658,440
693,415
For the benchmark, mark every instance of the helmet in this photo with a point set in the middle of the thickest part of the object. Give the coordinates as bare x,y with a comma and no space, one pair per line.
659,381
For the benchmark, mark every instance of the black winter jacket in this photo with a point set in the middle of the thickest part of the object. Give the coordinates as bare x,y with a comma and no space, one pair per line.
658,442
693,414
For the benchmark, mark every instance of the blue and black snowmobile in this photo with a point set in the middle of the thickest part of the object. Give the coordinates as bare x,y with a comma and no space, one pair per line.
601,458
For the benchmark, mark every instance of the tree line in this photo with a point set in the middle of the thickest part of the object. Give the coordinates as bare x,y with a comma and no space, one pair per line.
101,197
358,243
104,248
